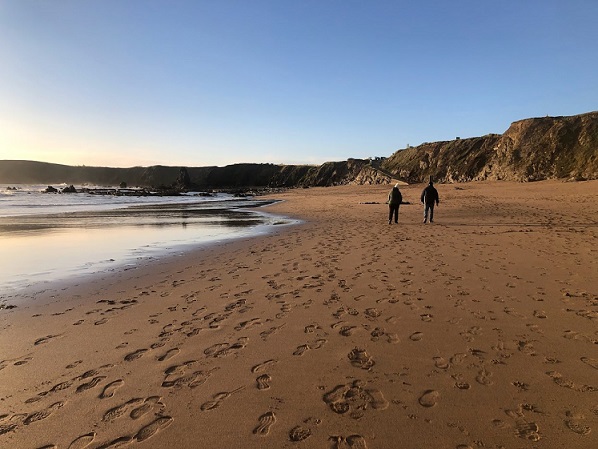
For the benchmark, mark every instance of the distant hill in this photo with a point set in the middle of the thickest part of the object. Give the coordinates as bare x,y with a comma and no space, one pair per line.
530,150
235,176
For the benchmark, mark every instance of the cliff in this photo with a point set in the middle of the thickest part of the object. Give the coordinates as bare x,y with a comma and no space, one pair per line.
530,150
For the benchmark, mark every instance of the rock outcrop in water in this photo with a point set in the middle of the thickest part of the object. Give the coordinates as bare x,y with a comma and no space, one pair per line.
530,150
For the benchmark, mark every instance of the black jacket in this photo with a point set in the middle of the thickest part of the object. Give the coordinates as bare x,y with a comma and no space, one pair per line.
430,195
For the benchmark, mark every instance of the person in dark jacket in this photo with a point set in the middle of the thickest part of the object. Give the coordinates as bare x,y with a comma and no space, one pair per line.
394,201
429,198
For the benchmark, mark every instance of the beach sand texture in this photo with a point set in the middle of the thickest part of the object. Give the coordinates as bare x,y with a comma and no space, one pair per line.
478,331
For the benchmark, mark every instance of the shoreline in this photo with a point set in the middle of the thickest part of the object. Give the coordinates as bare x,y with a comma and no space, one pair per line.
45,248
342,332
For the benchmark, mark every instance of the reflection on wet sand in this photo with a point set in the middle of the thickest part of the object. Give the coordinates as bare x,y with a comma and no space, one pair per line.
48,247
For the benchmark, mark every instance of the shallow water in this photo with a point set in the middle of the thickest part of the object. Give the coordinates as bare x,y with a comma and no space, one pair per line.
48,237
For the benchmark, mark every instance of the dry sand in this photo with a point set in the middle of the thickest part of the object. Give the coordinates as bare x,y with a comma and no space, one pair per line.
479,331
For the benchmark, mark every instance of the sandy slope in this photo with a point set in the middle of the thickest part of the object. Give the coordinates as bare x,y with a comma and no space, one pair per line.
342,332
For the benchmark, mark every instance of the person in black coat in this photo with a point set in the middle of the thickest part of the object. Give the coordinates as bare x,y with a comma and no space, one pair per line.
429,198
394,201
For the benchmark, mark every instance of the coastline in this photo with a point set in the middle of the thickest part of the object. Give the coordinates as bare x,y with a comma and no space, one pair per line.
42,247
341,331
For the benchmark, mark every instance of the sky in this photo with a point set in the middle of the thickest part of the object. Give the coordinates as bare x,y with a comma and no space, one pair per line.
125,83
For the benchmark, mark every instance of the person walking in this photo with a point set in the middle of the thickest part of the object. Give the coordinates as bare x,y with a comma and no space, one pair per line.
429,198
394,201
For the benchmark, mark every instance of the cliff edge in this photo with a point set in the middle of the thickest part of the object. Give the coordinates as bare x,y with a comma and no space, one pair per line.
530,150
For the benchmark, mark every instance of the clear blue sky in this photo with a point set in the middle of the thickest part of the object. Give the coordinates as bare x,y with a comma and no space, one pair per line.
215,82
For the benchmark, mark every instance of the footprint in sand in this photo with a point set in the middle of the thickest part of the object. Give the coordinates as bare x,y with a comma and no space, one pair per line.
527,430
429,398
214,349
135,355
318,343
89,385
265,422
111,388
225,349
42,414
248,324
304,431
148,404
262,366
74,364
590,362
6,428
120,410
377,333
560,380
483,377
392,338
168,354
267,333
263,382
354,398
311,328
361,359
575,424
46,339
440,363
372,313
377,399
178,369
218,398
154,427
347,331
299,433
356,442
192,380
61,386
301,350
578,427
82,441
416,336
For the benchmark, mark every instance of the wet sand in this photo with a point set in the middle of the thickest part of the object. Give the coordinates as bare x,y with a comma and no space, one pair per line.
480,330
44,247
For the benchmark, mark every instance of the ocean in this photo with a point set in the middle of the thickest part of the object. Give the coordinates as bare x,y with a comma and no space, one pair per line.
47,237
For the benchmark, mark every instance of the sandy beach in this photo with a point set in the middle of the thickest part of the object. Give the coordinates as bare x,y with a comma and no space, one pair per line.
477,331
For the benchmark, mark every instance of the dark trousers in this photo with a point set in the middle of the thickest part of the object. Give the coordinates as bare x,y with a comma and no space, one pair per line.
393,209
429,208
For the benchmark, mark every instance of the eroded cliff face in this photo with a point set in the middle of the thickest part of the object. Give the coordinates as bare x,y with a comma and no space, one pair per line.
550,147
530,150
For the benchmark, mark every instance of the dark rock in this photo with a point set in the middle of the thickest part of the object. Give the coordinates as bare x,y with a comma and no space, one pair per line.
51,189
